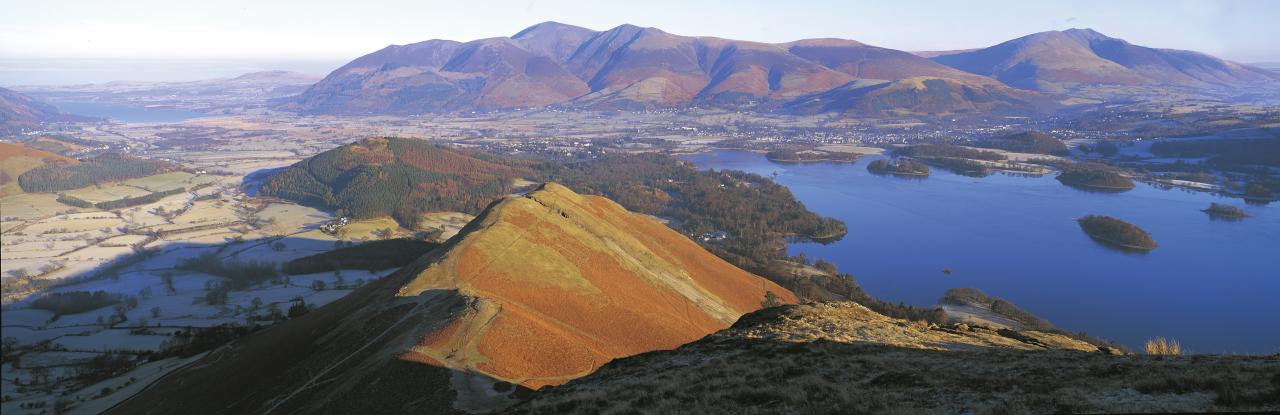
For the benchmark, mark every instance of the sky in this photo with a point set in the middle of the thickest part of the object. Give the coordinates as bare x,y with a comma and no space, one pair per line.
326,30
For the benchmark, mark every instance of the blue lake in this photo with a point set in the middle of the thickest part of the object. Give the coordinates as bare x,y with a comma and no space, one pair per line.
1213,285
126,113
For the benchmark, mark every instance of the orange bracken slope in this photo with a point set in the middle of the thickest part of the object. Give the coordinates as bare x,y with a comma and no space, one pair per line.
16,159
538,290
568,282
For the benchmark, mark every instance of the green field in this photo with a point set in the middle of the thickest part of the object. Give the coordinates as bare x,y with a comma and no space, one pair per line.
30,206
117,191
140,186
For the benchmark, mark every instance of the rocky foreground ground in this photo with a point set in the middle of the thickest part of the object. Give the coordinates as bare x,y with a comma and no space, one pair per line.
843,358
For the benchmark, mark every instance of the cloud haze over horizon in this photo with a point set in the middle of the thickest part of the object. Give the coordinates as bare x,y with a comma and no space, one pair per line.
1237,30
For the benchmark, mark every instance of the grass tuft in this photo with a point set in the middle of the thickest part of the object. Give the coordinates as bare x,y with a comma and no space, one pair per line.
1161,347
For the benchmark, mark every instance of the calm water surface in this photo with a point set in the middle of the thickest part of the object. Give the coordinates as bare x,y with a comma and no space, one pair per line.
1213,285
127,113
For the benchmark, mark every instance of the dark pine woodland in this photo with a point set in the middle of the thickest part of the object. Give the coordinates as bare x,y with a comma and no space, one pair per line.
101,169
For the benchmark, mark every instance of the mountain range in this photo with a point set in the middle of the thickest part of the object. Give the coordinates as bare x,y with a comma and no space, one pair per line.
637,68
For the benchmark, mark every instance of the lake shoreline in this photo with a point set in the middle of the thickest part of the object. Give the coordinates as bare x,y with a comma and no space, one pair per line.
1015,236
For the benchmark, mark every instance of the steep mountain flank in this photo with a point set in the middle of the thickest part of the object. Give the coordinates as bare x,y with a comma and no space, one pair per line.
843,358
934,96
19,112
441,75
537,290
869,62
630,66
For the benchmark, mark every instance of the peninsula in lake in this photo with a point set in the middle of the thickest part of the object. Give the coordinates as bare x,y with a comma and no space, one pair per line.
1095,176
905,167
810,156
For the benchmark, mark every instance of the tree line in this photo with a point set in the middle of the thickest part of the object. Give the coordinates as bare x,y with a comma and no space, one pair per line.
1027,142
376,255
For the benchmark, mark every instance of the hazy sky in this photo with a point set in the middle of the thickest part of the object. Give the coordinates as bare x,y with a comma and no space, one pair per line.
324,29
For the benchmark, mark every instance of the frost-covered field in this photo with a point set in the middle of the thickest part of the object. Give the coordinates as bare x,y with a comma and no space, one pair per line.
133,255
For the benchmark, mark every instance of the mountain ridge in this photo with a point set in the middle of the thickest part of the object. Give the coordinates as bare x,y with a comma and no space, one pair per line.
496,311
630,67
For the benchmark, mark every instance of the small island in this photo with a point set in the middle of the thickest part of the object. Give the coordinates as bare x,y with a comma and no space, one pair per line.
810,156
1225,212
1094,176
906,167
1117,232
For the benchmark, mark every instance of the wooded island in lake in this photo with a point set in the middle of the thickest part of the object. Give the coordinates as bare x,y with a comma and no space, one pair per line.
1117,232
1228,212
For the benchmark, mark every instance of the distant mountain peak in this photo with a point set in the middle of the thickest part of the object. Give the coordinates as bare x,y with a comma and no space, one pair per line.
823,42
549,26
1062,61
1083,31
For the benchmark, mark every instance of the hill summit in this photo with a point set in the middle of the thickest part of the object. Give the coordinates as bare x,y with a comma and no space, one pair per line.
538,290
